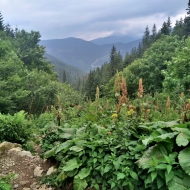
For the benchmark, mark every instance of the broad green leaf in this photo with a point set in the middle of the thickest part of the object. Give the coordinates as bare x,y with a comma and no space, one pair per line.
179,183
112,185
169,176
83,173
184,160
151,169
80,184
181,140
169,168
147,140
182,130
71,165
161,166
63,146
95,160
160,182
159,138
125,183
116,164
148,180
134,175
50,153
5,186
96,186
72,173
61,177
153,156
153,175
76,148
107,168
66,136
120,176
94,154
165,136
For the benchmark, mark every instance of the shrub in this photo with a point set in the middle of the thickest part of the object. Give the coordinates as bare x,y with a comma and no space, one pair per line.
14,128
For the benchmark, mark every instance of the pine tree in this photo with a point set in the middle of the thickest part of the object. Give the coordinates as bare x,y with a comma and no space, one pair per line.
169,24
179,28
64,78
119,61
140,50
1,22
113,62
9,31
187,21
146,38
165,30
154,31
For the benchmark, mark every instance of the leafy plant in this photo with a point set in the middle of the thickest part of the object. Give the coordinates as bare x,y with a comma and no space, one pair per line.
165,162
95,157
6,180
14,128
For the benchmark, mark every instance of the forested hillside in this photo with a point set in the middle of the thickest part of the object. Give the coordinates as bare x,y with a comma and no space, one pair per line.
28,81
147,61
82,54
127,126
66,73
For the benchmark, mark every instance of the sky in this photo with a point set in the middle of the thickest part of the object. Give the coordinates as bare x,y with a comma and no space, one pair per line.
90,19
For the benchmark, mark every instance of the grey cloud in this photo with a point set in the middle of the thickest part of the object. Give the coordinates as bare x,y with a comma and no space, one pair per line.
89,18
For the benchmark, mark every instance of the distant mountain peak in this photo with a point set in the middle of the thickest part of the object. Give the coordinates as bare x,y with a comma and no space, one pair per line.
85,54
114,39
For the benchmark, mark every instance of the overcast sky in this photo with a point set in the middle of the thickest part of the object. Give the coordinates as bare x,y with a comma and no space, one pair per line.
90,19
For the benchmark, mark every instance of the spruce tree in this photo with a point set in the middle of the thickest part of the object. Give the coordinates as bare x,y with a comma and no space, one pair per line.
187,21
113,62
1,22
165,29
9,31
64,78
169,24
179,28
146,38
154,31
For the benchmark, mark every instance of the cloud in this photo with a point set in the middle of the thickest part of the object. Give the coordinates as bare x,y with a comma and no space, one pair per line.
89,19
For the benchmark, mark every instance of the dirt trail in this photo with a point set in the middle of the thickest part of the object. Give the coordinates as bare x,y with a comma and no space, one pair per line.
27,168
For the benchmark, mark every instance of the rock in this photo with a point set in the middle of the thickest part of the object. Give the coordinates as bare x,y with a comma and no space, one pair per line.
25,153
44,187
50,170
17,149
35,186
15,186
38,171
5,146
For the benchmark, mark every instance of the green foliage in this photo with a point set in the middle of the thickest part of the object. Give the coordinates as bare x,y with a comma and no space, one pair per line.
184,160
176,76
14,128
92,156
5,181
163,158
11,79
30,52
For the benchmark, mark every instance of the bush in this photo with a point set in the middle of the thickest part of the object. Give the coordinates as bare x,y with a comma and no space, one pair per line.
14,128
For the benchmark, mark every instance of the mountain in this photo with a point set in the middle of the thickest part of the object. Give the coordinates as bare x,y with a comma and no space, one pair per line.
72,73
84,54
113,39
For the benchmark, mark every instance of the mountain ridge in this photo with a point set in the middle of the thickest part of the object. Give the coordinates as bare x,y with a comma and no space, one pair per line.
82,54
